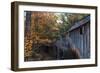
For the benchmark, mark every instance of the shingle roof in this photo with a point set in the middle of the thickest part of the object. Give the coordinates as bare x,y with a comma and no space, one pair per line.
80,23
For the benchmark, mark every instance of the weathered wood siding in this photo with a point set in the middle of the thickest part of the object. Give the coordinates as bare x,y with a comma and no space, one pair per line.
81,39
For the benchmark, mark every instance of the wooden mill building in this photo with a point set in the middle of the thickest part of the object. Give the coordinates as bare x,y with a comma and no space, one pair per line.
80,35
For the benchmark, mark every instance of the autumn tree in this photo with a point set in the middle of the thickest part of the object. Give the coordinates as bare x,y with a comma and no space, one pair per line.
40,30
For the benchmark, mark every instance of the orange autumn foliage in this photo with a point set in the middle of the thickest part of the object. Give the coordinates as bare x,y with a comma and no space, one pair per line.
41,22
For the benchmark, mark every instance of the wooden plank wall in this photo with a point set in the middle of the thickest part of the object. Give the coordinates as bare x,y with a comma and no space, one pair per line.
81,39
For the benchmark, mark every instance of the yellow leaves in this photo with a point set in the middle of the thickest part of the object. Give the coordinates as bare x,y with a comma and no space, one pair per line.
28,53
28,46
43,18
41,23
